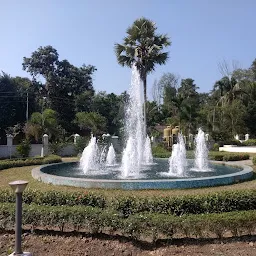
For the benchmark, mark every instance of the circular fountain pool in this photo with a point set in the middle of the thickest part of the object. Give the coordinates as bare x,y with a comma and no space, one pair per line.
151,177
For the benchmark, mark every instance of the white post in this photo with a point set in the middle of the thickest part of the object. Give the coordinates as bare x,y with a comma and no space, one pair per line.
44,151
207,137
9,144
246,137
76,137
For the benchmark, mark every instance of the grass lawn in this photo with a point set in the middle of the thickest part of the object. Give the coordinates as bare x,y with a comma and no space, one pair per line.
24,173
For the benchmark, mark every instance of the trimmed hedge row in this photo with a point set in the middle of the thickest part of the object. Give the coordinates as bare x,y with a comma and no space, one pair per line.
180,205
221,156
162,155
139,226
217,156
55,198
250,142
5,164
129,205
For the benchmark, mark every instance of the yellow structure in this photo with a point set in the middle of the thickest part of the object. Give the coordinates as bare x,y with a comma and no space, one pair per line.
170,135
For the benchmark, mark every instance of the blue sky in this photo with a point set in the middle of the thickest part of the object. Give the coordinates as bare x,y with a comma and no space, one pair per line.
203,33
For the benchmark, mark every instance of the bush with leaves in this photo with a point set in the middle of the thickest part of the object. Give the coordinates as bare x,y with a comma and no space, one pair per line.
24,148
160,151
215,147
138,226
5,164
130,205
250,142
226,156
81,143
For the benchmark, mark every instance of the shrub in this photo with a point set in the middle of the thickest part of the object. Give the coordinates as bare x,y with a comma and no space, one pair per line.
250,142
160,152
215,147
230,142
224,156
56,147
235,157
55,198
5,164
24,148
162,155
254,160
81,143
147,225
211,203
130,205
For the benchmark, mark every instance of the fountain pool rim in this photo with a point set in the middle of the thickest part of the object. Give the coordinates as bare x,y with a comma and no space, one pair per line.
132,184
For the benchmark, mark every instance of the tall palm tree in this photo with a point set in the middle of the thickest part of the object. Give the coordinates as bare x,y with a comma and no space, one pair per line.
143,46
229,89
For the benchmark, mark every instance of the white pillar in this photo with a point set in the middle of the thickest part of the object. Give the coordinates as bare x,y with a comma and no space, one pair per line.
246,137
9,144
45,147
237,137
76,137
207,137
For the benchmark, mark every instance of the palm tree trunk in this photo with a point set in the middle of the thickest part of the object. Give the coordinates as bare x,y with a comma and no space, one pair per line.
145,102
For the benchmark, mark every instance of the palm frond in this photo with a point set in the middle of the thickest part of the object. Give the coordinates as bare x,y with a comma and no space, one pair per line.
119,48
143,46
124,60
161,58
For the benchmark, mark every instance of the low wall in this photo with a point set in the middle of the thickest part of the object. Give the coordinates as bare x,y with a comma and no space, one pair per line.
236,149
6,151
68,150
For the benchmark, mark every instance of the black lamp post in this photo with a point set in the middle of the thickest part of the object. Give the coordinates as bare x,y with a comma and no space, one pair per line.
18,187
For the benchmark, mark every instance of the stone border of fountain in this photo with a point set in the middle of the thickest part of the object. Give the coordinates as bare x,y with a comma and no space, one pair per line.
245,174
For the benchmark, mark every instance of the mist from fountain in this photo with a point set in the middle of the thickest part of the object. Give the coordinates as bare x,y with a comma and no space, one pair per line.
201,152
111,156
103,155
134,129
90,156
147,155
178,161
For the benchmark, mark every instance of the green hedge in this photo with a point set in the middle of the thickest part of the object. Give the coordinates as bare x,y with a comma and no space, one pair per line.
129,205
250,142
160,152
180,205
55,198
139,226
224,156
162,155
213,155
5,164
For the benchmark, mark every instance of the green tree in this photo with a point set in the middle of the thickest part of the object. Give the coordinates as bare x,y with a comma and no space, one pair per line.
41,123
143,46
13,101
91,121
110,106
64,82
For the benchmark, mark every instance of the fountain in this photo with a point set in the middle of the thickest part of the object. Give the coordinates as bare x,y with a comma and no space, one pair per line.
147,156
90,156
138,169
201,152
178,161
111,156
134,129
